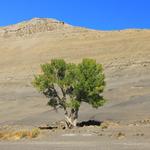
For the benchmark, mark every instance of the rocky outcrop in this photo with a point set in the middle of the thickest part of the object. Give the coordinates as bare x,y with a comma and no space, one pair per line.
32,26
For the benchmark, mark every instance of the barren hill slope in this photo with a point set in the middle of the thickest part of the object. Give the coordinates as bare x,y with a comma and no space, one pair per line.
23,47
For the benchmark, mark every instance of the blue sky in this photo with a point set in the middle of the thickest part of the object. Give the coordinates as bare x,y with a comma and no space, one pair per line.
96,14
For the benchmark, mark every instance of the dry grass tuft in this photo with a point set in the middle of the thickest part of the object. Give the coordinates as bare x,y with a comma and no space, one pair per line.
17,135
120,135
109,124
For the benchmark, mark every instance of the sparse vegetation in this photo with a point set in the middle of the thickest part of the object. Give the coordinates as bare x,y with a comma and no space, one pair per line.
67,85
17,135
121,135
109,124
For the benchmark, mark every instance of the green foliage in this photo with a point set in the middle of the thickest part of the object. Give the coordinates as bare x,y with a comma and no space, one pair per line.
74,104
82,82
40,82
90,83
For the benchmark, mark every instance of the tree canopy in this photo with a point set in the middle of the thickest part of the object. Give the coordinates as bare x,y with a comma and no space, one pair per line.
67,85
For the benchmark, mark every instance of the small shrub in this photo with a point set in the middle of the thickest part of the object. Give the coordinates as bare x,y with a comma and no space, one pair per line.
120,135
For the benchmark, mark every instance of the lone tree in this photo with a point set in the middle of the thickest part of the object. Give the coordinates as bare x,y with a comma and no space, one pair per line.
67,85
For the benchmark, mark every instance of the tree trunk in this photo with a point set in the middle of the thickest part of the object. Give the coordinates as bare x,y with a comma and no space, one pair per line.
71,118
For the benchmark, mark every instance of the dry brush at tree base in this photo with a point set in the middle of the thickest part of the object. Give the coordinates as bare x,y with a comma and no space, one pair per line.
67,85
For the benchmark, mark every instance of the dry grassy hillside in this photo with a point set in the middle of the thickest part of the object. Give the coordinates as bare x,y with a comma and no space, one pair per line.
23,47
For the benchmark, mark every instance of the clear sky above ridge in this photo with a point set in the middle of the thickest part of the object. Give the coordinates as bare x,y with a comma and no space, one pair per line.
96,14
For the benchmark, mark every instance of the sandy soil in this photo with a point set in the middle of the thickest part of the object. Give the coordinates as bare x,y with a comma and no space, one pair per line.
126,59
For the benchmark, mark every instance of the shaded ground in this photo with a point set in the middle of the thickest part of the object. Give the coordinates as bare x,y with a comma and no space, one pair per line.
126,102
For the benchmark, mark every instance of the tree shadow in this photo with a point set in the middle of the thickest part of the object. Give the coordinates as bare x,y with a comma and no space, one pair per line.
89,123
47,128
